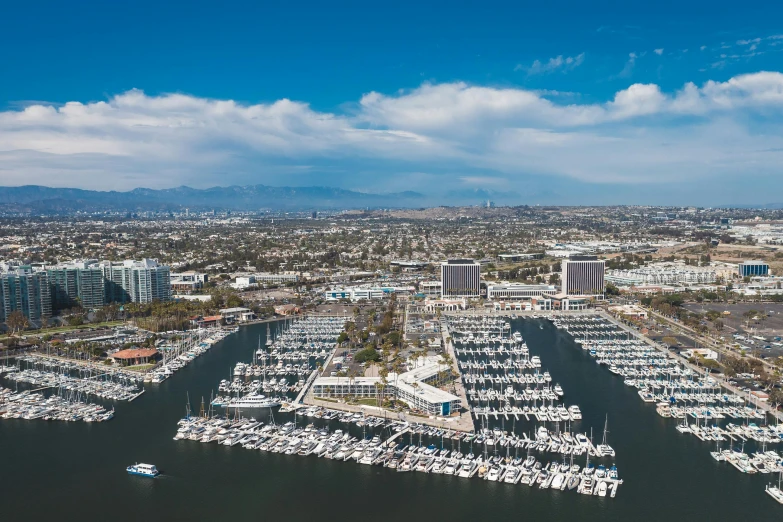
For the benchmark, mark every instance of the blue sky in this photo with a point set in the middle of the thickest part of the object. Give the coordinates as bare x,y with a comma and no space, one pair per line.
588,102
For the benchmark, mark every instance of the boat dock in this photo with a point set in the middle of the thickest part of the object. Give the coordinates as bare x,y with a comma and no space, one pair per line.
27,405
395,454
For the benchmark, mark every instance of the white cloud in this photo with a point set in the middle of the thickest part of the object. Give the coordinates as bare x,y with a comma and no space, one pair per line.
558,63
641,135
658,51
627,70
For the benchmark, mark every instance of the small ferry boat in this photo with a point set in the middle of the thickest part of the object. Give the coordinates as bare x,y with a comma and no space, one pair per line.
145,470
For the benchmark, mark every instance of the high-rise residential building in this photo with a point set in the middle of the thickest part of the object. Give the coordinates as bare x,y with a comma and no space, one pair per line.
64,288
136,281
753,268
76,283
460,277
583,275
27,292
91,287
116,281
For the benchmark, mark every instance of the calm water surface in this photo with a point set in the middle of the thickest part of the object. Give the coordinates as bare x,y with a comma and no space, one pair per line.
76,471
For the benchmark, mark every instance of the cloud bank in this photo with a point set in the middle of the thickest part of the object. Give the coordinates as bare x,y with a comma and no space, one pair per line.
642,136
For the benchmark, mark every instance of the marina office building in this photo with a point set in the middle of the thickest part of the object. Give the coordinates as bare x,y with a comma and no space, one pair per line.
583,276
460,278
411,387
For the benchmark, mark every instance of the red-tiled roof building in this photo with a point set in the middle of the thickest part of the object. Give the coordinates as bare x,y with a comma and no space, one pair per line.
133,356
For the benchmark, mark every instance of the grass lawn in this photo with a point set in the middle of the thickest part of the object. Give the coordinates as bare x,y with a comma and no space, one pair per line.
140,367
63,329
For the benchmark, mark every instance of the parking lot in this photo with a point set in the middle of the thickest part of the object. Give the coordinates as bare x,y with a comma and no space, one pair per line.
767,323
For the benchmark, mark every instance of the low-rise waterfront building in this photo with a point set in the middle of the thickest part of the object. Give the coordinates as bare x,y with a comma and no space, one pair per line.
412,387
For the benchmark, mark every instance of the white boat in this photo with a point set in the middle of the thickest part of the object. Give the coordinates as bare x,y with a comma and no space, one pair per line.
604,449
252,400
775,491
143,470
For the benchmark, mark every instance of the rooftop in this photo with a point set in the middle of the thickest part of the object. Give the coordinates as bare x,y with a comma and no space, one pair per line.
135,353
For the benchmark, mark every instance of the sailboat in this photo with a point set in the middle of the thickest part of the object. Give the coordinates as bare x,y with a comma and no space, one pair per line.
269,340
604,449
775,491
717,455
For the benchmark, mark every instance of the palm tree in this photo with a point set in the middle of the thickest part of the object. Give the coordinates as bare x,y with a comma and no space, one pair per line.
378,394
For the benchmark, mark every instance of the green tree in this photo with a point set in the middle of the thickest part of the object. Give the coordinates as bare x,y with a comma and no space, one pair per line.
17,322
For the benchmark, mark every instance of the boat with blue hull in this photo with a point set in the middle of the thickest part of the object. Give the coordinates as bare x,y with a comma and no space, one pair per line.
143,470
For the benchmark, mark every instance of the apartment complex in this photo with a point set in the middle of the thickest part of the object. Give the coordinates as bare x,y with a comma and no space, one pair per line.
142,281
27,292
76,284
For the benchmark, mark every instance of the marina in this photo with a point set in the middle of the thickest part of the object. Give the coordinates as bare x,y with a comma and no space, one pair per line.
678,392
653,459
443,456
30,406
282,365
194,344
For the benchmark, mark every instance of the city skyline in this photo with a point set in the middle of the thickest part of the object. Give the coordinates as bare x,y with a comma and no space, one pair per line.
525,103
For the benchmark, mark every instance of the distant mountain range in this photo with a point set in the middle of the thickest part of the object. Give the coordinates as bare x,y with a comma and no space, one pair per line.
37,199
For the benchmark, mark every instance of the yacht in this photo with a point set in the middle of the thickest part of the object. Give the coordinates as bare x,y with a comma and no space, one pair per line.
252,400
144,470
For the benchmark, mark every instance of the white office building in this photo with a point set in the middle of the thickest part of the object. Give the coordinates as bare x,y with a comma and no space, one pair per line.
518,291
277,279
430,288
366,293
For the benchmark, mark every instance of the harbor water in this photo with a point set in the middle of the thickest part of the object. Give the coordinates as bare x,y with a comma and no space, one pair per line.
76,471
